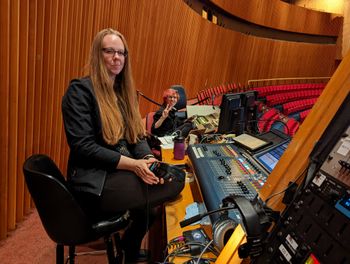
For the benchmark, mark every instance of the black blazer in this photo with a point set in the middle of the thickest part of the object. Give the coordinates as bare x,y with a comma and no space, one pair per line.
90,158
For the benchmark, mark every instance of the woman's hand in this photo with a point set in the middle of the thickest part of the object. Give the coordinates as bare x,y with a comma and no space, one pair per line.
166,111
164,116
141,169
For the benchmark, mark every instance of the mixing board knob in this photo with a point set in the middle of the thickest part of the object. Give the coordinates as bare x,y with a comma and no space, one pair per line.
217,153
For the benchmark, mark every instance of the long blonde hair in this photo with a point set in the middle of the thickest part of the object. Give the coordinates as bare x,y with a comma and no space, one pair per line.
117,99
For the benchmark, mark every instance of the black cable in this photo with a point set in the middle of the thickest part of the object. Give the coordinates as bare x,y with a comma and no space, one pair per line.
276,121
183,251
261,120
147,98
211,248
148,209
270,119
175,252
204,249
287,188
198,217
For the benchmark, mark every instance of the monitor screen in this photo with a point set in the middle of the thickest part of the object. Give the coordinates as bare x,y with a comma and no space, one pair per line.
238,113
269,158
231,113
250,98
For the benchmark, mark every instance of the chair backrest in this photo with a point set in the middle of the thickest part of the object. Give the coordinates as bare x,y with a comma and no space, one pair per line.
62,217
149,121
182,102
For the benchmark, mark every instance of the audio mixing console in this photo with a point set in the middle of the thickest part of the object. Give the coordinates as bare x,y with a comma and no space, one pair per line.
222,170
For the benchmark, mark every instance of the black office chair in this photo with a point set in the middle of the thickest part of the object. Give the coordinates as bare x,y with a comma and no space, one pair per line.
182,102
62,217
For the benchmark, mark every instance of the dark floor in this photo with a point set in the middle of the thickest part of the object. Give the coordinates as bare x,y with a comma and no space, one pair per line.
29,244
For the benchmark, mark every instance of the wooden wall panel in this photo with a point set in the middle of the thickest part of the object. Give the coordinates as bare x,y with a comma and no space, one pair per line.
346,28
244,57
280,15
4,111
30,98
22,106
334,6
13,112
45,44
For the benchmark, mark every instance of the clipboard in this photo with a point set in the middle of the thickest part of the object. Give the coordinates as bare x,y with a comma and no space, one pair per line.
249,142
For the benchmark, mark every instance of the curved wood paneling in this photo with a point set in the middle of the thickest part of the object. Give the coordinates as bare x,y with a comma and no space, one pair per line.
44,44
4,112
280,15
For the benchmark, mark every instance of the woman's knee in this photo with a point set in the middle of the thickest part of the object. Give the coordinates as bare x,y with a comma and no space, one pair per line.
175,188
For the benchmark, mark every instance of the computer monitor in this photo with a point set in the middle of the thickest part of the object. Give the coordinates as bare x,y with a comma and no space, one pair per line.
250,111
231,118
238,113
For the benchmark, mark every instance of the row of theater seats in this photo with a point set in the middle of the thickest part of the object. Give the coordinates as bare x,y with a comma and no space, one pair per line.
281,107
276,89
281,98
213,95
285,107
299,105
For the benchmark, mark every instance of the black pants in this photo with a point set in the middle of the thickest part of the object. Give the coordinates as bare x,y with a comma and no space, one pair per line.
123,190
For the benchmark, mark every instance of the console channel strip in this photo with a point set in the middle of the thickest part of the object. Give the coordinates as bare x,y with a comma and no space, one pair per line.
222,170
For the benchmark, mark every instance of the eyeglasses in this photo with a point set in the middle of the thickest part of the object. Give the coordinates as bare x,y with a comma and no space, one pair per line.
111,52
172,97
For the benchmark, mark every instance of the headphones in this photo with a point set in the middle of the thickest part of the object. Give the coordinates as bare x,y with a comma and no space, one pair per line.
251,223
222,230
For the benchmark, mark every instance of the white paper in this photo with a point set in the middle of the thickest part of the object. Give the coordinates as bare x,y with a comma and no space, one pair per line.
167,142
344,147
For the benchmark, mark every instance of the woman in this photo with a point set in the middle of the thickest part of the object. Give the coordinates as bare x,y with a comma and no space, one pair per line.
108,166
165,121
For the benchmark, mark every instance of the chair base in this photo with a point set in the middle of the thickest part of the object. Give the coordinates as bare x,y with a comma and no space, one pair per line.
113,252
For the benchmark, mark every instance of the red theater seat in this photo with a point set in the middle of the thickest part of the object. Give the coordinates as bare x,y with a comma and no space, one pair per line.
297,106
282,98
303,114
267,119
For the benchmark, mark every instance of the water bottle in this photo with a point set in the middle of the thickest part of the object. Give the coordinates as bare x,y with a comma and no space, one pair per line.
179,148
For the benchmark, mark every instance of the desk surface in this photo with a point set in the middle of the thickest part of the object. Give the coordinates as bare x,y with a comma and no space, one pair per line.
168,157
175,212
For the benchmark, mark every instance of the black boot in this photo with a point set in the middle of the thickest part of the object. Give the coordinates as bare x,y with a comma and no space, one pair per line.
133,236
